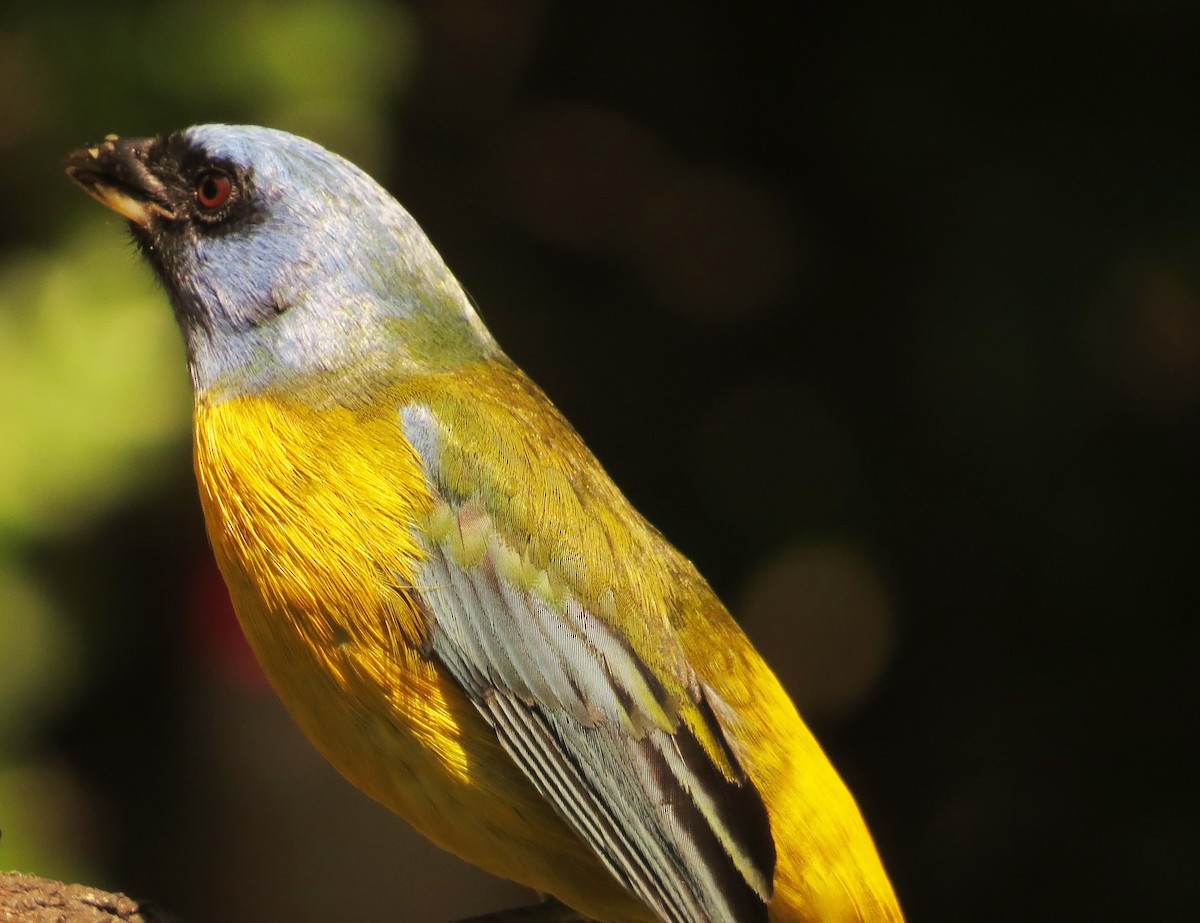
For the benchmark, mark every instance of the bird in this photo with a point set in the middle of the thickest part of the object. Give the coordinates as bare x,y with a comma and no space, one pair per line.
451,597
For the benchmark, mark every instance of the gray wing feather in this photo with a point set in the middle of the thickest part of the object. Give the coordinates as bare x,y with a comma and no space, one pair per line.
552,682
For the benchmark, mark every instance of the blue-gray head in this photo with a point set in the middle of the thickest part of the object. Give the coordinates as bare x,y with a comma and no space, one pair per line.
281,259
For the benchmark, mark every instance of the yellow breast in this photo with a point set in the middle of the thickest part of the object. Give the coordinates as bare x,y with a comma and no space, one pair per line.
317,506
310,514
311,517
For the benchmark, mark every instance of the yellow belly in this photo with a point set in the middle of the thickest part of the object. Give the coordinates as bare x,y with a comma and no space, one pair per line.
310,515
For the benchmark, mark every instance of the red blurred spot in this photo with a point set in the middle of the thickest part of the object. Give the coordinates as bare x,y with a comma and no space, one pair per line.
218,633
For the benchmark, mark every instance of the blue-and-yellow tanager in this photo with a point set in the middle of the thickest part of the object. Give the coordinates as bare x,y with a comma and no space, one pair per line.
455,603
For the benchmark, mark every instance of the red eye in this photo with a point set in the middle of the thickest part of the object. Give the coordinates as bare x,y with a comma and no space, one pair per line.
213,190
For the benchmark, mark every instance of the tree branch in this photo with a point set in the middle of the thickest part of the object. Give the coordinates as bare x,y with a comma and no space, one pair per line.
30,899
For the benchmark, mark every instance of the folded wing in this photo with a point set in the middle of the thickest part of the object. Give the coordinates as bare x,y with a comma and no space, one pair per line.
614,748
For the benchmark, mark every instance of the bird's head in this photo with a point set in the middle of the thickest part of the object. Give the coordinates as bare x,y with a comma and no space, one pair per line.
282,260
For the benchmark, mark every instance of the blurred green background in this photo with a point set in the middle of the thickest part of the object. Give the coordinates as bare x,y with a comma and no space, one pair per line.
887,315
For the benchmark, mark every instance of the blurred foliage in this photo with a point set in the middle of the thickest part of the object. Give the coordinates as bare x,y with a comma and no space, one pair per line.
82,334
888,315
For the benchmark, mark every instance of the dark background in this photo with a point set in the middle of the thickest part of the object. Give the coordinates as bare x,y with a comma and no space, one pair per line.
887,315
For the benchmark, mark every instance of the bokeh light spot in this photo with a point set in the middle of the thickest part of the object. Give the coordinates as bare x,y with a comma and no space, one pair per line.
1146,336
822,614
714,245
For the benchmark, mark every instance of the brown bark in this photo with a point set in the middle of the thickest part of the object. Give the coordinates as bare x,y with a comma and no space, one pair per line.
30,899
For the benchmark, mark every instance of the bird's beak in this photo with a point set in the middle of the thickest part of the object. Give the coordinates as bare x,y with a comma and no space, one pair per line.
115,173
